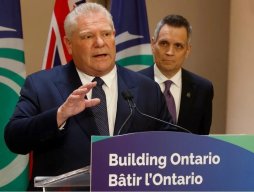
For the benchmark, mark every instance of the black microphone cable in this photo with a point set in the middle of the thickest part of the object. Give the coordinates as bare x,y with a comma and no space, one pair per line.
129,116
128,96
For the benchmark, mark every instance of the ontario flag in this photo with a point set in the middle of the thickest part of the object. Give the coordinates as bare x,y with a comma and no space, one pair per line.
13,167
132,34
56,52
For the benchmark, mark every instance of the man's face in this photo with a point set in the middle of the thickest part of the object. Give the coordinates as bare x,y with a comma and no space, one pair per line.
170,49
92,44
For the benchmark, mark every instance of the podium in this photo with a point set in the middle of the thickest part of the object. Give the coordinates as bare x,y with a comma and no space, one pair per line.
163,161
172,161
77,180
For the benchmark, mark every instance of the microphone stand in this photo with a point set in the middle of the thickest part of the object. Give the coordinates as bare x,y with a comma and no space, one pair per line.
127,119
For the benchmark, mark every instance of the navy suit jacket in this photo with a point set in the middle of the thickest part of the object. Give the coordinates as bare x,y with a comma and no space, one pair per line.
33,126
196,101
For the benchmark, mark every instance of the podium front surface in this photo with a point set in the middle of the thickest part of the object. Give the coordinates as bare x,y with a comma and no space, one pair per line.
172,161
162,161
77,180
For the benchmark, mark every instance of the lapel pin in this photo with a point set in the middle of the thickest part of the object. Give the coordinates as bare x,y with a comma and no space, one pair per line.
188,95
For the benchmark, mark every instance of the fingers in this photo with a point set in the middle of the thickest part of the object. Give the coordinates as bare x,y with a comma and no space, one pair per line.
76,103
84,89
92,102
88,86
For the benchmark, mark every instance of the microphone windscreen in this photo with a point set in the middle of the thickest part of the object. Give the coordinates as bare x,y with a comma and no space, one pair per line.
127,95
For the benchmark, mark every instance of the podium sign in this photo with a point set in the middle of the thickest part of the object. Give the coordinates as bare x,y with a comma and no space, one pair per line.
172,161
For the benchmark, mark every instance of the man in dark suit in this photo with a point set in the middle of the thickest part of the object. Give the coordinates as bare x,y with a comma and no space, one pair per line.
55,114
192,94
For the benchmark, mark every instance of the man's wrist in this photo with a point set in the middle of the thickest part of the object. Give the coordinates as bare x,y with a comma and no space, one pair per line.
60,118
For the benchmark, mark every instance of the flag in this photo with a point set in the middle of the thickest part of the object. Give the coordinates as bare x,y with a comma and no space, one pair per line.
56,53
132,34
13,167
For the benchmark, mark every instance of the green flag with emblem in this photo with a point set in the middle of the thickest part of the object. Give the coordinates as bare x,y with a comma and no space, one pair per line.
13,167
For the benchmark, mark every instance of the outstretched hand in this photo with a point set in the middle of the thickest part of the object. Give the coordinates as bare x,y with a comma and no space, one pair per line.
76,103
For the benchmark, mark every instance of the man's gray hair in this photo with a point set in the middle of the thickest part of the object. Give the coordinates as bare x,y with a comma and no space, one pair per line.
70,23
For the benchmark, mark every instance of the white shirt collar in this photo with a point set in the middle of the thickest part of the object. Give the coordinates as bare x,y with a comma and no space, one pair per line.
108,78
160,78
111,91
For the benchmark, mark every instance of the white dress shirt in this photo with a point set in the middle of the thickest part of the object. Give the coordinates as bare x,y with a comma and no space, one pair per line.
176,87
111,91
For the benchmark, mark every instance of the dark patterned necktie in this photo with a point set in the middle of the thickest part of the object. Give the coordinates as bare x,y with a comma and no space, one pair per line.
100,110
170,100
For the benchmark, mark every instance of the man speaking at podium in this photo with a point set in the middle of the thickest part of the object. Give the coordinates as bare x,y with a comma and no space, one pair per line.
61,108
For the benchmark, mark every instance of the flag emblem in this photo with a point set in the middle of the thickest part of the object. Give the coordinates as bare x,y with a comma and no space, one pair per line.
132,34
13,167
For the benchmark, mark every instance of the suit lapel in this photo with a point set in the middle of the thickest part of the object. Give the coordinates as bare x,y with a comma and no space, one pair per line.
122,105
187,96
69,80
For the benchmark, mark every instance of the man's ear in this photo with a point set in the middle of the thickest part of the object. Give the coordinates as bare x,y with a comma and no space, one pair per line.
68,45
152,43
188,51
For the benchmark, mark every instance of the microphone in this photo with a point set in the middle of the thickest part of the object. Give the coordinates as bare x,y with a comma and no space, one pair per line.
129,98
127,119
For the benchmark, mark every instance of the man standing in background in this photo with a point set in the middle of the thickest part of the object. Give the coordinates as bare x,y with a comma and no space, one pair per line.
189,96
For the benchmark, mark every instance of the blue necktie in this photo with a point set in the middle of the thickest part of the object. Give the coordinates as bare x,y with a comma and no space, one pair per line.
100,110
170,100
